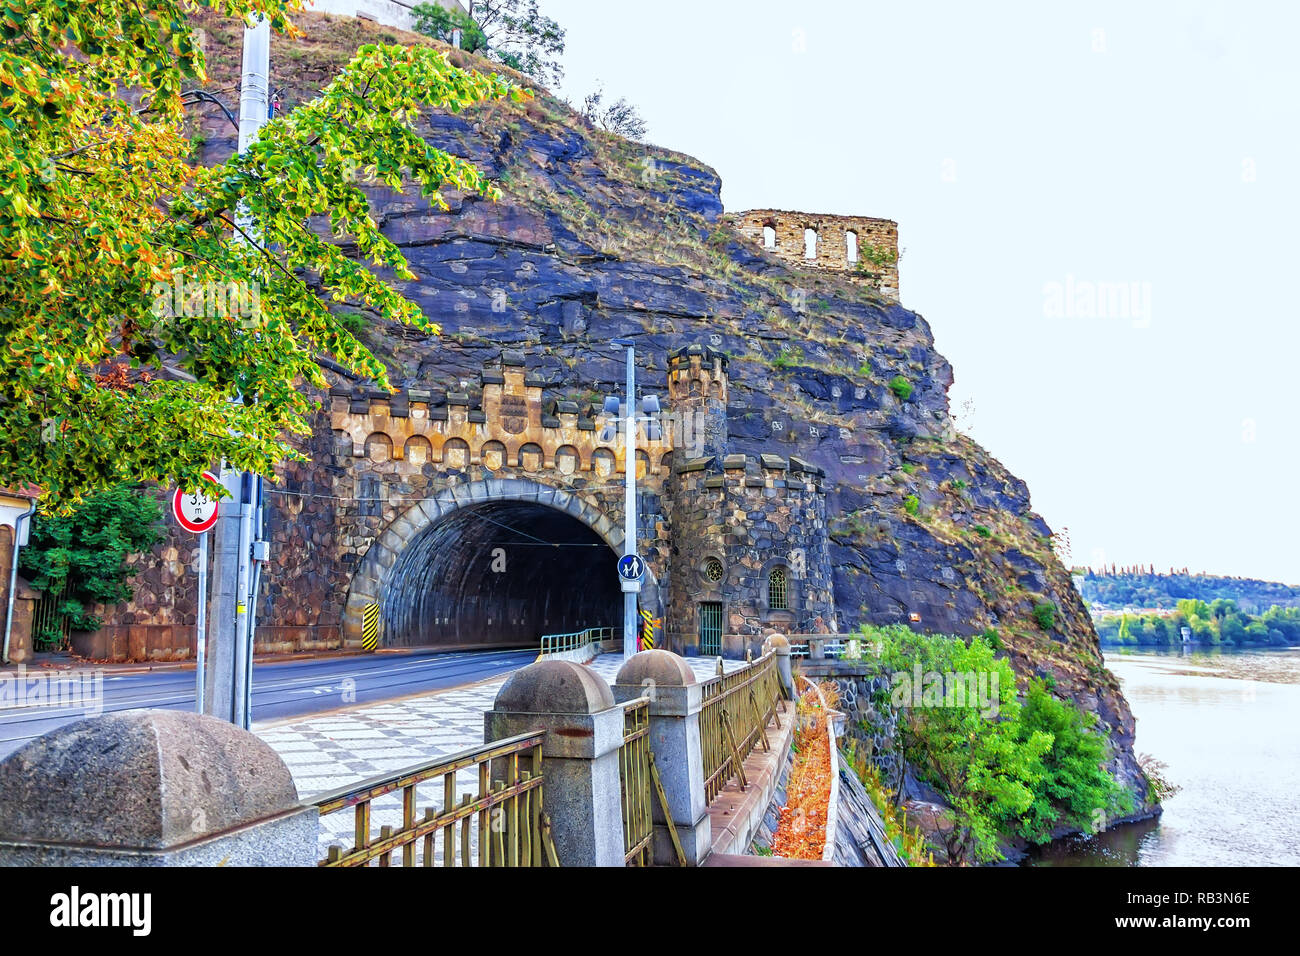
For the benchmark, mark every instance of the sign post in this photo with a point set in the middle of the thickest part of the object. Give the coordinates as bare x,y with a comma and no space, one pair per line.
197,513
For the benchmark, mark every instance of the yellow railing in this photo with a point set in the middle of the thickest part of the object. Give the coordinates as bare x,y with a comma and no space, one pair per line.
736,711
499,821
634,780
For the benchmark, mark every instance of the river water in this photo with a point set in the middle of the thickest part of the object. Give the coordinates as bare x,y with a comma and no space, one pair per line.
1227,725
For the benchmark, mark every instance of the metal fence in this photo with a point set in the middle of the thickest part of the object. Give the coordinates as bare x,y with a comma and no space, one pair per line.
639,787
634,783
579,646
498,822
50,629
733,719
832,646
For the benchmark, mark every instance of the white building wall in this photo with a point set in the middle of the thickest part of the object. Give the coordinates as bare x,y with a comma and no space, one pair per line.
392,13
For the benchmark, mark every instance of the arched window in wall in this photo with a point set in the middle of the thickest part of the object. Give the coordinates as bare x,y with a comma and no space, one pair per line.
769,236
851,246
810,243
778,592
379,447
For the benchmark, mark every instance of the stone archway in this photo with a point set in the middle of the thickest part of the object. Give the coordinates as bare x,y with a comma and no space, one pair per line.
426,571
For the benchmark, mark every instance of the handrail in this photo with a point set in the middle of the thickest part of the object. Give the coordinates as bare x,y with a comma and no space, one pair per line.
634,783
512,827
575,644
833,645
736,710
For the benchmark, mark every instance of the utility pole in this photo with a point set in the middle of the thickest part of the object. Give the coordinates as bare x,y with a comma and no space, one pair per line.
629,504
628,415
229,673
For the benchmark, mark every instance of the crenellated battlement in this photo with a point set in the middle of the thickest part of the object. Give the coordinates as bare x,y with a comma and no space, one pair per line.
747,474
509,425
858,246
696,371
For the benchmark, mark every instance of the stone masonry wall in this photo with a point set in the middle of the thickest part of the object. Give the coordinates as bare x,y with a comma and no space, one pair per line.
372,455
877,243
734,521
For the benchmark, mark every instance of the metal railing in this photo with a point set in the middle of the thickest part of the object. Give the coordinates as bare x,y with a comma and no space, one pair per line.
634,783
736,710
578,646
51,629
504,797
832,646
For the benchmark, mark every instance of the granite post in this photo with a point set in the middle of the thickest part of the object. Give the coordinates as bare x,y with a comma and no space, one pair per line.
780,645
675,702
584,731
152,788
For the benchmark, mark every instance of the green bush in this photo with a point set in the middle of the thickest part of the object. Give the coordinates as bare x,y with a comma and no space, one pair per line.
441,24
788,358
900,387
355,322
1024,770
975,758
1073,788
88,549
911,504
1045,615
983,531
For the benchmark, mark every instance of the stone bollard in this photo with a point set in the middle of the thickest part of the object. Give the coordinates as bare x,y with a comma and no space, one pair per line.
781,647
675,702
579,756
152,788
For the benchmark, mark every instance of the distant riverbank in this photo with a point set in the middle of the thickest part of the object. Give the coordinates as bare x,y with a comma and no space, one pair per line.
1224,722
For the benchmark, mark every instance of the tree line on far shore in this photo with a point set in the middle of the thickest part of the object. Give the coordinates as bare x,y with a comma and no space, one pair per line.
1217,622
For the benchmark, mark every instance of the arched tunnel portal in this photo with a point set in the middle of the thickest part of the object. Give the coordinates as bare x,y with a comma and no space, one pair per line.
500,574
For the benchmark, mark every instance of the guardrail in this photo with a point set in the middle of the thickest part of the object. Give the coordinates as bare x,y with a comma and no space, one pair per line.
505,799
577,646
734,716
832,646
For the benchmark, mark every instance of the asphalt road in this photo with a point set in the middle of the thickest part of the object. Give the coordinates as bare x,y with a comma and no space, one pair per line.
285,689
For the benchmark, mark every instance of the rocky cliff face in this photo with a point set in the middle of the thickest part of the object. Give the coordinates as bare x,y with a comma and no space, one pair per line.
598,238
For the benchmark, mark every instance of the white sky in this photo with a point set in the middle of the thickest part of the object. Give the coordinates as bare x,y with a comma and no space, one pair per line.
1023,144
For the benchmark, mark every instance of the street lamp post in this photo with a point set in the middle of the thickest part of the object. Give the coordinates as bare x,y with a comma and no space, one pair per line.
649,407
629,497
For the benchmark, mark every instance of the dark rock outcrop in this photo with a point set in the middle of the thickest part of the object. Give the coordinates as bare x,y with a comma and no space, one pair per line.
597,237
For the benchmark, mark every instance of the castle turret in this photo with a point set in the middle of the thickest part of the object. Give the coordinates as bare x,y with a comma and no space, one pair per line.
697,396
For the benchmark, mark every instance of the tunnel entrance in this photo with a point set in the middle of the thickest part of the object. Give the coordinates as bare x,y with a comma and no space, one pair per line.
500,574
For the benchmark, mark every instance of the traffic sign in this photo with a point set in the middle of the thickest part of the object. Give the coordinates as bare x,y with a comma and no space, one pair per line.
195,511
631,567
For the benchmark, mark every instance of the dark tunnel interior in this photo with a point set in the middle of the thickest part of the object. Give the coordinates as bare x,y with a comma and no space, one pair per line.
493,576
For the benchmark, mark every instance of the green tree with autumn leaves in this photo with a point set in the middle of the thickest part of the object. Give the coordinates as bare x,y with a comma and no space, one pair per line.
107,374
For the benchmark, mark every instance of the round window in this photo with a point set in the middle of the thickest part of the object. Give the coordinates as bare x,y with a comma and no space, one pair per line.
713,570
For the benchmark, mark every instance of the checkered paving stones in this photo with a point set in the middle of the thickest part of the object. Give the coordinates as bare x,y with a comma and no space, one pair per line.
340,749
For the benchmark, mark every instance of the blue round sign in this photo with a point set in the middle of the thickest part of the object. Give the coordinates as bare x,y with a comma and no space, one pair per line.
631,567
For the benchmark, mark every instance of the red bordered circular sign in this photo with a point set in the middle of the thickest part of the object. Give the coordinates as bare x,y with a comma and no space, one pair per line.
195,511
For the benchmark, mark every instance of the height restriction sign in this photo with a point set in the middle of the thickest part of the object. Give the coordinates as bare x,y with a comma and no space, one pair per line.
195,511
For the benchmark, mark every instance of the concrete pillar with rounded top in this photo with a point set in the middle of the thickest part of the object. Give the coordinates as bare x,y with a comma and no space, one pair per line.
152,788
780,645
584,731
675,701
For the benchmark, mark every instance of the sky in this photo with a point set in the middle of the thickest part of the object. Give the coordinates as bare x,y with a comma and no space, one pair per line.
1037,157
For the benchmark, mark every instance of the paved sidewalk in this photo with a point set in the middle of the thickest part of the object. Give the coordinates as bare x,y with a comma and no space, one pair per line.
327,751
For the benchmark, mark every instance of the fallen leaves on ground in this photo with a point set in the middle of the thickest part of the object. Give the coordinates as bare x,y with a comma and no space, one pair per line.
801,831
